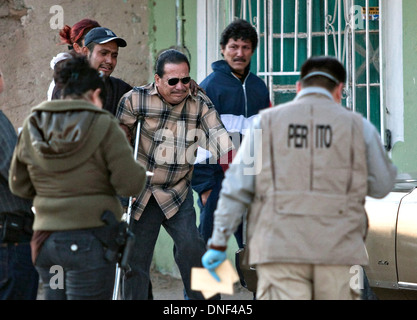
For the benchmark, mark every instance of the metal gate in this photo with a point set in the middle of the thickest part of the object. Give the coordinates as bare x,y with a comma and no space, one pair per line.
290,31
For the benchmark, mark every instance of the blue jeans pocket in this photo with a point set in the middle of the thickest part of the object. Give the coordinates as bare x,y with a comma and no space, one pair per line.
79,257
78,252
78,249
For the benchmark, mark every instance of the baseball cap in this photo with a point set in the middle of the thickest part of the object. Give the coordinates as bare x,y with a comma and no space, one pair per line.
102,35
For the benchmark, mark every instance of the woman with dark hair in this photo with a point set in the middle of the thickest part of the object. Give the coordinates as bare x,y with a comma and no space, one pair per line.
72,159
74,38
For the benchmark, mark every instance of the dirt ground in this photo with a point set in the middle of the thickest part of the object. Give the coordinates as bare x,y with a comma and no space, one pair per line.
166,287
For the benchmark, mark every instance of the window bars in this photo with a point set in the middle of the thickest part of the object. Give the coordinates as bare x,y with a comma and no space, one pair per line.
292,30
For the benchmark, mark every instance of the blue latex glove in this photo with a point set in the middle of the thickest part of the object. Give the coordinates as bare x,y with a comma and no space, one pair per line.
211,260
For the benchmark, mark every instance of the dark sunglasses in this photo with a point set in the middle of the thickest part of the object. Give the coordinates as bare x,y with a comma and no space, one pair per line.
174,81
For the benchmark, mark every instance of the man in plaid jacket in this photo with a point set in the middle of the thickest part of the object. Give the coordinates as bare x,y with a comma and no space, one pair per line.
174,124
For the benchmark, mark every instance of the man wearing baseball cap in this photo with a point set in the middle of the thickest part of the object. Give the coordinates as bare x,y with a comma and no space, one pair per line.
101,46
102,35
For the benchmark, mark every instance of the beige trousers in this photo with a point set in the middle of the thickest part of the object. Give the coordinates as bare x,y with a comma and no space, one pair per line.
284,281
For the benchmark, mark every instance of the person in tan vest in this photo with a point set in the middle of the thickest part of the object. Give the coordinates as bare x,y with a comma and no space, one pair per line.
303,171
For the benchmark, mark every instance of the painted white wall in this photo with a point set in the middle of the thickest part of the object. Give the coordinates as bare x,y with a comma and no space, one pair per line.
392,67
214,15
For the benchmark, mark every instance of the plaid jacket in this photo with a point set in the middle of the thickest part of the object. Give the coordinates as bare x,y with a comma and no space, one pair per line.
8,139
168,142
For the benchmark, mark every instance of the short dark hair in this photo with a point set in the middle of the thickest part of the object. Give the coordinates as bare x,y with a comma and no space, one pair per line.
239,29
75,77
169,56
327,64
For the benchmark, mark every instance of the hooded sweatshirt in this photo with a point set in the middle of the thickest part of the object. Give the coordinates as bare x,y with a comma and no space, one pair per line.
74,160
237,102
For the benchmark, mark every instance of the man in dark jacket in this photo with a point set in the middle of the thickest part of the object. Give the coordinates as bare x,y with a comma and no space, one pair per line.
101,46
238,95
18,277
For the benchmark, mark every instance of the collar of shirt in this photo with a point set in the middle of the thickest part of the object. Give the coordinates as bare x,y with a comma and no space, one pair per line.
153,90
314,90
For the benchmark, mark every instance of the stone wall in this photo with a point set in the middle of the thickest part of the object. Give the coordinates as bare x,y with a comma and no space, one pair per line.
28,42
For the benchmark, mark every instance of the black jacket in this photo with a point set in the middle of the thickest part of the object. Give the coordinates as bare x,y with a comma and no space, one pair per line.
115,89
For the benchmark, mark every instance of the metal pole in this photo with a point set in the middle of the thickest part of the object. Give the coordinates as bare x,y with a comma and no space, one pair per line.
258,30
339,31
353,50
296,36
381,70
309,28
282,35
326,27
271,47
118,274
266,58
180,23
368,69
138,128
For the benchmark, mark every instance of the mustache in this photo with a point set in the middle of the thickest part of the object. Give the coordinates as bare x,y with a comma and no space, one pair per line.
239,60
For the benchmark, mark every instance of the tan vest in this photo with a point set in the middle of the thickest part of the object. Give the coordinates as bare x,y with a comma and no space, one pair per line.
310,194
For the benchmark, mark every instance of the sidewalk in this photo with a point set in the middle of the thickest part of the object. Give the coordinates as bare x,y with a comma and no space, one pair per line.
166,287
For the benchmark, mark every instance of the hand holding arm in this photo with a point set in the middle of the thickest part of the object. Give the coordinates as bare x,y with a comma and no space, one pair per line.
194,88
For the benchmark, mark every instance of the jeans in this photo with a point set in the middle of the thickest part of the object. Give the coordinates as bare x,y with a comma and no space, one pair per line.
207,216
72,267
18,277
189,246
367,293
